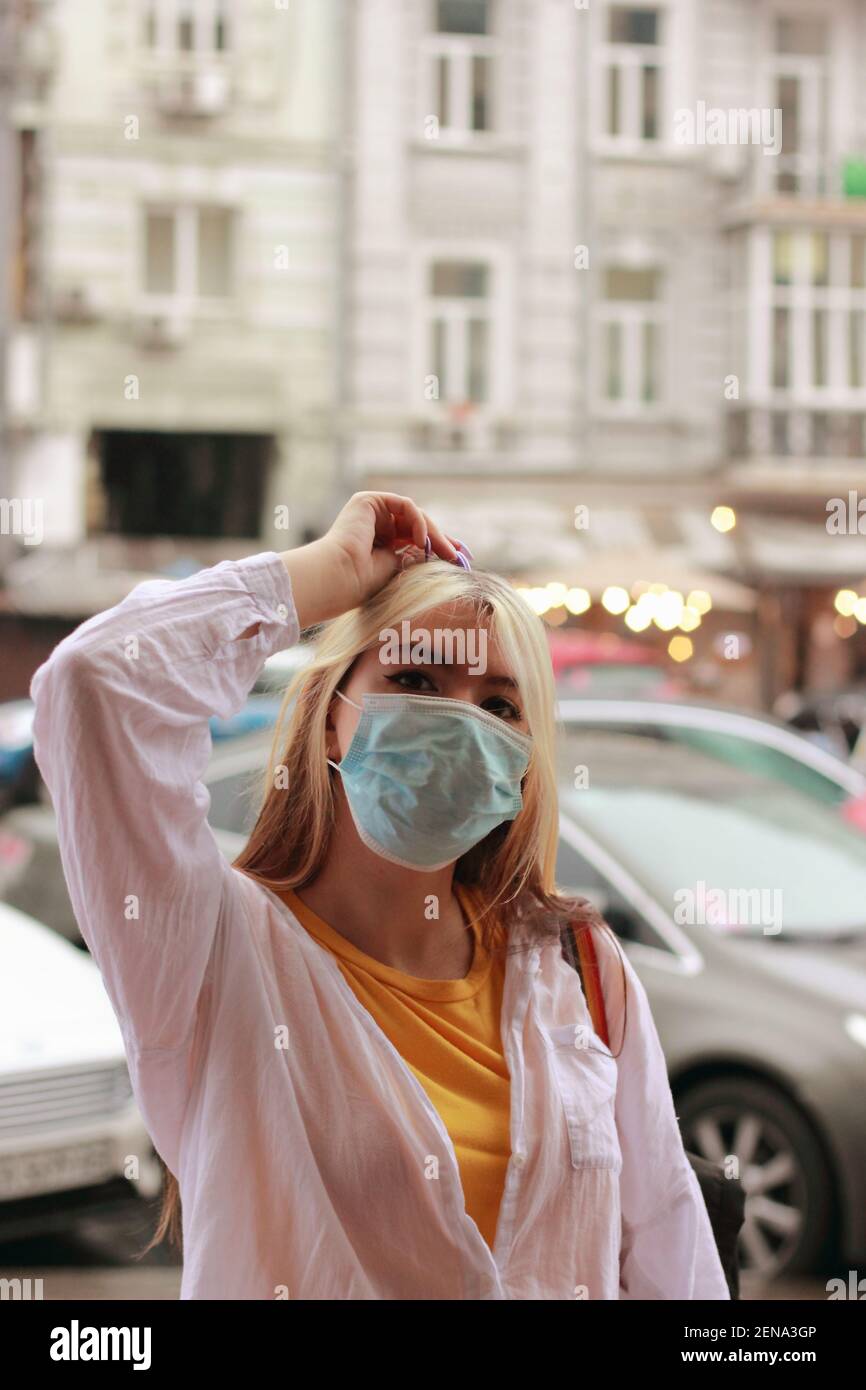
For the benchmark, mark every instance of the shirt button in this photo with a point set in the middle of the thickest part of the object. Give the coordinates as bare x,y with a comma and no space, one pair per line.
282,612
520,1159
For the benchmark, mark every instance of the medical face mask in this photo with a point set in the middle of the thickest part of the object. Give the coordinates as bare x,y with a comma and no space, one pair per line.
427,778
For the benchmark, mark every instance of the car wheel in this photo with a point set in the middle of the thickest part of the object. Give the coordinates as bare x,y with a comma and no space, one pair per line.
789,1216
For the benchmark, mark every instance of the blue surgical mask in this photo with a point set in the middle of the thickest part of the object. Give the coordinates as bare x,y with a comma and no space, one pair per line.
426,778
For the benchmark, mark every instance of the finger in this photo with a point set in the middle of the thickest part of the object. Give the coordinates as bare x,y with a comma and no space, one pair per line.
385,533
414,524
405,519
461,545
442,544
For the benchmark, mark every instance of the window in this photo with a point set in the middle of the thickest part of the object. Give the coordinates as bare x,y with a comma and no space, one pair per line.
459,59
186,26
634,72
798,87
632,338
816,314
577,876
153,483
458,330
188,253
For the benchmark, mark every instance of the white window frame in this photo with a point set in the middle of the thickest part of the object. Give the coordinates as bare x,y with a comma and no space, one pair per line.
204,12
632,316
499,316
802,298
674,61
186,299
810,163
458,51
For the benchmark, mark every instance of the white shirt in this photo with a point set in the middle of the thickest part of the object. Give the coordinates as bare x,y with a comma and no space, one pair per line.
300,1138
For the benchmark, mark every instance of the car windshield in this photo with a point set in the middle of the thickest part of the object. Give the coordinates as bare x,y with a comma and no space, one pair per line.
714,844
740,750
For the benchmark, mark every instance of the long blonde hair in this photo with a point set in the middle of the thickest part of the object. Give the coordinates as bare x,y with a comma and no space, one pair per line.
513,869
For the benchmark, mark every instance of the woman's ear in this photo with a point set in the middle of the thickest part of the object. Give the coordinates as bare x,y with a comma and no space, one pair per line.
331,747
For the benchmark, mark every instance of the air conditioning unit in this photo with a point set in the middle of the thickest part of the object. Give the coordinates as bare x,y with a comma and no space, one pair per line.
162,328
77,304
202,92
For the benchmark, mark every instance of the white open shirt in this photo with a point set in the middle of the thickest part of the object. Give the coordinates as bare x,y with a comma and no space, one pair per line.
305,1169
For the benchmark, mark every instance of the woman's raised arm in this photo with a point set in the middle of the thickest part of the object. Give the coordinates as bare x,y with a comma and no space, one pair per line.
122,738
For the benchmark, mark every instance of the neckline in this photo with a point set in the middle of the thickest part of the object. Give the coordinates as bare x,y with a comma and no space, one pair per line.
442,991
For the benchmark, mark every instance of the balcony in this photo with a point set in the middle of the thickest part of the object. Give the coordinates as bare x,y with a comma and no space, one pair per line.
754,432
817,186
462,432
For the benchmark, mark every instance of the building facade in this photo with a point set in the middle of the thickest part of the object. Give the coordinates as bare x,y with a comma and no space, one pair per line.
171,361
606,275
574,273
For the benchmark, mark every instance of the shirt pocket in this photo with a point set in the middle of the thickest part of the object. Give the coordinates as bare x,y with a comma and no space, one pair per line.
585,1075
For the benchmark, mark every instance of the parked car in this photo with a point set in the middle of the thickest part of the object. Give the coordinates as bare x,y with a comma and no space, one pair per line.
263,705
68,1120
281,666
19,774
31,872
754,742
835,720
596,664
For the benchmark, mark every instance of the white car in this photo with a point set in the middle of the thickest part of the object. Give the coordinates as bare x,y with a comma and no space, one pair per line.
69,1125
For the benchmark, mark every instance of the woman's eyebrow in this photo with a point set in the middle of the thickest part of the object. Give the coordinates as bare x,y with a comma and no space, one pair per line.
502,680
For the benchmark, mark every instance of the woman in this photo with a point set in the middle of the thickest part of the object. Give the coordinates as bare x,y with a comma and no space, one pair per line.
355,1047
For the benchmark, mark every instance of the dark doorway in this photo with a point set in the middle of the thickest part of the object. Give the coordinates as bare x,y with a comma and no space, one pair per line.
183,484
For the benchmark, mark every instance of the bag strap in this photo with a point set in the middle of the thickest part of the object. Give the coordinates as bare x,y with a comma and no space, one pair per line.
578,949
724,1198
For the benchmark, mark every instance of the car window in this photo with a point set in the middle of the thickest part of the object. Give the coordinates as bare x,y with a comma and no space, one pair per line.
575,874
759,758
716,846
734,749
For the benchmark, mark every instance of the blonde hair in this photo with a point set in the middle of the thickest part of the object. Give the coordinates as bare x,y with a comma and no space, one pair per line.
514,868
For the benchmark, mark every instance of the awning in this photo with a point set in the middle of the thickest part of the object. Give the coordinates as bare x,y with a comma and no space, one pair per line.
787,549
537,542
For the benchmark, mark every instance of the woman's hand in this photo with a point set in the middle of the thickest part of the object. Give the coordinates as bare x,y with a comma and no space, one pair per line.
358,555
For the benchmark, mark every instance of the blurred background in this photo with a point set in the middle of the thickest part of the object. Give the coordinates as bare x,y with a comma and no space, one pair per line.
588,281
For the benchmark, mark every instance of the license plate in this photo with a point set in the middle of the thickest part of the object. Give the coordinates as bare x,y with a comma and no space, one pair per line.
53,1170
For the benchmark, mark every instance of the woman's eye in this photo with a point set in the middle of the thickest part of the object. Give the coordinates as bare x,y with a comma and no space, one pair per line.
506,709
411,680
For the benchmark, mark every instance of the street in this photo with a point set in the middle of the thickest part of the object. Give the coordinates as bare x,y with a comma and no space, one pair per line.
99,1263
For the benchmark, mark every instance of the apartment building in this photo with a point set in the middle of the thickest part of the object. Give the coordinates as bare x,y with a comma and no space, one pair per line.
575,273
171,361
583,311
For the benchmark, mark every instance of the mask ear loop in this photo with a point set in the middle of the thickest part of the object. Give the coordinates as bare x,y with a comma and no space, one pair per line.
357,707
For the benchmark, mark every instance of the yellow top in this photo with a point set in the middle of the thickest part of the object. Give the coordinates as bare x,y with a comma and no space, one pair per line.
447,1032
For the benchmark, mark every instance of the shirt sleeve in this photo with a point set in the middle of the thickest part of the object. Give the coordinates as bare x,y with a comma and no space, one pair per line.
668,1249
122,738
